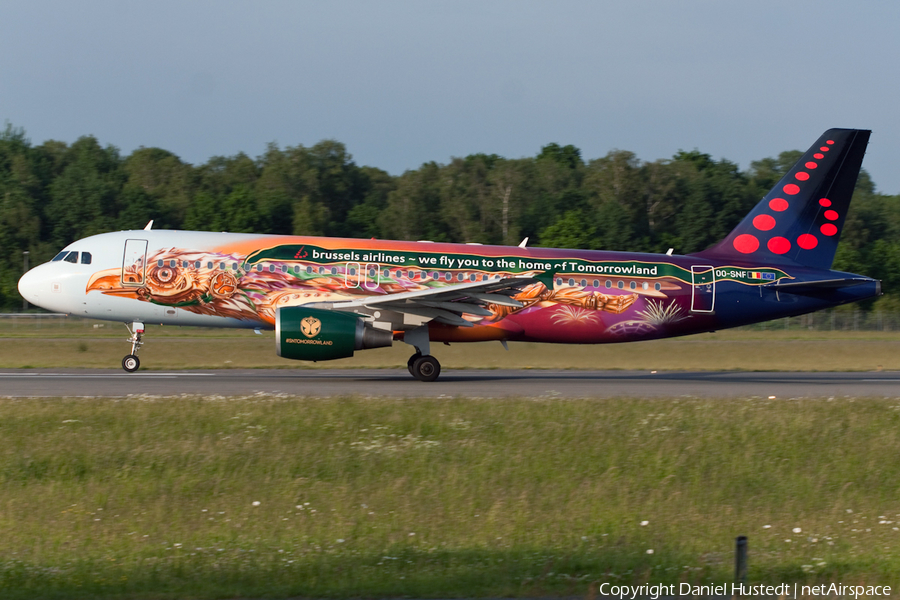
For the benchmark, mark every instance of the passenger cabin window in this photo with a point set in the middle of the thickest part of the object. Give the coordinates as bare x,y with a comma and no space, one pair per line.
85,258
71,257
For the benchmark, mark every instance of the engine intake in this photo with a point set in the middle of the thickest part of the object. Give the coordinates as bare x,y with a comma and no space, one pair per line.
316,334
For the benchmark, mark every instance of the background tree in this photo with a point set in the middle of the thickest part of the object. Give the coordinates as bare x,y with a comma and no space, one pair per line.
55,193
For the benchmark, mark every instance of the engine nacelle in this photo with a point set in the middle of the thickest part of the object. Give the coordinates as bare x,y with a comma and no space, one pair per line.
315,334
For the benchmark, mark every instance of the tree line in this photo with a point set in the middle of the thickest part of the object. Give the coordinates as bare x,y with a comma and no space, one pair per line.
54,193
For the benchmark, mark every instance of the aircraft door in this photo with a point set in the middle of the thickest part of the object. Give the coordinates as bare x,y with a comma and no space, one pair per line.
372,277
703,290
134,263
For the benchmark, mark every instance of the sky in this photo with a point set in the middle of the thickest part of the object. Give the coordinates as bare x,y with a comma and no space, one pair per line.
402,83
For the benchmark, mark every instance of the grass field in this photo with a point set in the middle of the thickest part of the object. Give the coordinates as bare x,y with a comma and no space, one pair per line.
36,343
176,348
277,497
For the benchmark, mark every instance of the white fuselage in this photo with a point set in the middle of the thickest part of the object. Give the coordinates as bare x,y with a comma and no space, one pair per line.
60,286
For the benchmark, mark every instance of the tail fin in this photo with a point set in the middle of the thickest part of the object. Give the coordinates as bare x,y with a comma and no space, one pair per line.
799,221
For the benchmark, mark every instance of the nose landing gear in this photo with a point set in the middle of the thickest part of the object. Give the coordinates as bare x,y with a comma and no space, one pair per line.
131,362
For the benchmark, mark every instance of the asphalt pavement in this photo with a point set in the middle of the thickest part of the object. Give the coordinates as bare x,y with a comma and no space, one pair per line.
463,383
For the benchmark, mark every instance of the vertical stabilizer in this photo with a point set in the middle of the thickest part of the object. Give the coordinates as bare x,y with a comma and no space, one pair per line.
799,221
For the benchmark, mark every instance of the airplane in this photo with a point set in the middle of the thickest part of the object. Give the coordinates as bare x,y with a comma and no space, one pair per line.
327,298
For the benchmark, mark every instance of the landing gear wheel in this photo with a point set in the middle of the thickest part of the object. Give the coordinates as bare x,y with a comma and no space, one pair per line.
131,363
426,368
411,362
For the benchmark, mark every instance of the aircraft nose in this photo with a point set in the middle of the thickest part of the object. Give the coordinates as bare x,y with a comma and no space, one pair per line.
29,286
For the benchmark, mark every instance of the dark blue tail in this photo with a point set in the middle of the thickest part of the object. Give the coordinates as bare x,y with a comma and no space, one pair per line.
799,221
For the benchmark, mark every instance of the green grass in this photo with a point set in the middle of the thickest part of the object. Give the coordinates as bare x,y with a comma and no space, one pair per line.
155,497
183,348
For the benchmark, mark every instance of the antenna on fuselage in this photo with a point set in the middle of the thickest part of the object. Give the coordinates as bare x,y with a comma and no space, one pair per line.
149,226
670,251
523,243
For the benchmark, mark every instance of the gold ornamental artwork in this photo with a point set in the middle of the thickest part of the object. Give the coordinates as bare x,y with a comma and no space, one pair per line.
310,326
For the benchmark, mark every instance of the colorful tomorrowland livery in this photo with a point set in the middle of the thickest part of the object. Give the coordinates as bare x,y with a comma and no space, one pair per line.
327,298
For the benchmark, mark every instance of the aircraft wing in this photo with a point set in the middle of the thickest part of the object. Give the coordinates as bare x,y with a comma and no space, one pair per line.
447,304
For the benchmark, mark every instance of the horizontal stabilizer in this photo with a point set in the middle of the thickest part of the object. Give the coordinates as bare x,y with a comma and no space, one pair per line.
822,285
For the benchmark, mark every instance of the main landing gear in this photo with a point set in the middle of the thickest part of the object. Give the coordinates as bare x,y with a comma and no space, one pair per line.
131,362
424,368
421,365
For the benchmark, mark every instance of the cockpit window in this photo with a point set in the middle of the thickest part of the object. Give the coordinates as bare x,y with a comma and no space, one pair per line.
71,257
60,256
85,258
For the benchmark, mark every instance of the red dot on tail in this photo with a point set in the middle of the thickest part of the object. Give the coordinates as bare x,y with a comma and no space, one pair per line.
818,155
824,148
828,229
763,222
825,202
746,243
778,204
831,215
829,142
807,241
802,175
810,165
792,189
779,245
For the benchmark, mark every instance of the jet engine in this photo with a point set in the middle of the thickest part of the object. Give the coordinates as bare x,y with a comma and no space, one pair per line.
316,334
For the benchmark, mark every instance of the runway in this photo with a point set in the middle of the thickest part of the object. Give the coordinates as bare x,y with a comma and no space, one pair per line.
463,383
